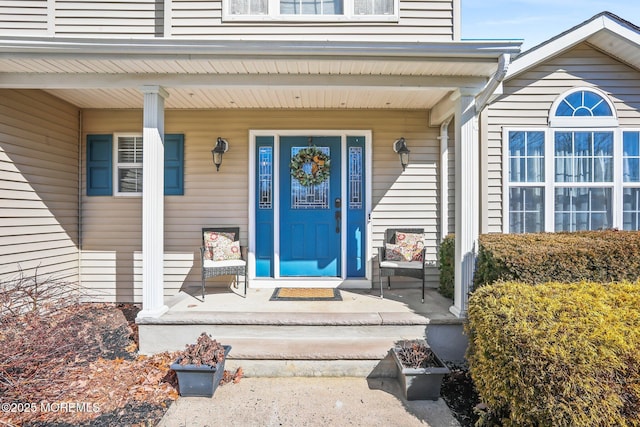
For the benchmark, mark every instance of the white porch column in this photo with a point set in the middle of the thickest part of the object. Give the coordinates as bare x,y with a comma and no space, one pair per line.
467,200
153,203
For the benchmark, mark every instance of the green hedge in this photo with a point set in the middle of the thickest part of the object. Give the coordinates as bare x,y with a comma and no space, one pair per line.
599,256
557,354
446,255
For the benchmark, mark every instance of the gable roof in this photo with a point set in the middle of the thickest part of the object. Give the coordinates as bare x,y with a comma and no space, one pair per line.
605,31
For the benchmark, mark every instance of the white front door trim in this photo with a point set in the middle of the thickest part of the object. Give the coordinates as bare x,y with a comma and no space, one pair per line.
276,281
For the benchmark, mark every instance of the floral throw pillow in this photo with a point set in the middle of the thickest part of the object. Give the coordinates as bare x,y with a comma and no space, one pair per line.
220,246
397,252
413,244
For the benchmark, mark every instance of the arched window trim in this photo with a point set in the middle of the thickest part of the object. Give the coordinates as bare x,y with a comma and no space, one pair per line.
582,122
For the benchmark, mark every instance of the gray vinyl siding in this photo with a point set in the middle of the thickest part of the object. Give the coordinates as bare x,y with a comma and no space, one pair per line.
418,21
431,20
82,18
100,18
38,186
111,248
528,97
24,17
451,200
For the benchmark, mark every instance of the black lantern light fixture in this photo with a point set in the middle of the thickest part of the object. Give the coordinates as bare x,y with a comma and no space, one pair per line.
221,147
400,147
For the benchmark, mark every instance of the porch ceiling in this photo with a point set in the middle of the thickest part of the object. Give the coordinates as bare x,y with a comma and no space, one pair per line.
259,98
109,74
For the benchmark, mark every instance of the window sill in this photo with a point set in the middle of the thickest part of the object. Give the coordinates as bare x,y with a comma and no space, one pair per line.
310,18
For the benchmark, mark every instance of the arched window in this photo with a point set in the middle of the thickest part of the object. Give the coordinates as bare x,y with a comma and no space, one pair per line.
583,107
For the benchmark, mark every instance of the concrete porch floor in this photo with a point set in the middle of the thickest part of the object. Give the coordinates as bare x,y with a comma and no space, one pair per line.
396,300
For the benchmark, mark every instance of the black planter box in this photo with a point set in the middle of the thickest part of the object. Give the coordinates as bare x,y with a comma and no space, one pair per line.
199,381
421,383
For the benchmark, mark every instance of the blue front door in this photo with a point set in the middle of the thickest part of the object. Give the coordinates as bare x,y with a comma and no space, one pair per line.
310,207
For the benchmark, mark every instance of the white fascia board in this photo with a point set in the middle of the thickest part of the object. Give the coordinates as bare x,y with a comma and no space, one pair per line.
566,41
631,34
187,49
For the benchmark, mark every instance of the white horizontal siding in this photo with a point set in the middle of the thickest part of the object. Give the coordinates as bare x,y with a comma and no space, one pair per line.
109,18
23,17
110,256
451,201
424,20
528,97
38,186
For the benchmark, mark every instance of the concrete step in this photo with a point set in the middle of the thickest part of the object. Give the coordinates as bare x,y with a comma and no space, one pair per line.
288,318
174,330
309,349
384,368
293,344
355,357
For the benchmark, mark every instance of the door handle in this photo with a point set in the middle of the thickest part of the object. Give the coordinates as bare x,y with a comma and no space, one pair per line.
338,220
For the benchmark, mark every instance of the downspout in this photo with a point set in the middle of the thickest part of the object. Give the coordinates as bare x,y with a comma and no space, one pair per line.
482,100
444,178
485,95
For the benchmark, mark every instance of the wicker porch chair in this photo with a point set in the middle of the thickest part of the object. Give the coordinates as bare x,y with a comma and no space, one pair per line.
391,261
222,255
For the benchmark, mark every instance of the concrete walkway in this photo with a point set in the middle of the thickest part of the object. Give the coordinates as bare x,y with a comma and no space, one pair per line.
304,401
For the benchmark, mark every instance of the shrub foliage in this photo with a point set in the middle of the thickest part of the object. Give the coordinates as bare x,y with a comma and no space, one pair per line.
446,255
599,256
557,354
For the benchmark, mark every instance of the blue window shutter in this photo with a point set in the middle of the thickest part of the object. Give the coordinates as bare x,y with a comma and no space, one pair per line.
174,165
99,165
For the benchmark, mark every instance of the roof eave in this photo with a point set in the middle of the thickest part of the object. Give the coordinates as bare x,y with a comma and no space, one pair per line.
143,48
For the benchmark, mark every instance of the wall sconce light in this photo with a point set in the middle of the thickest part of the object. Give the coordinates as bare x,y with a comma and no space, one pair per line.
221,147
400,147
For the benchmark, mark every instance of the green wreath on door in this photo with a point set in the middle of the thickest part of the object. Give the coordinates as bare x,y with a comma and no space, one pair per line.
320,166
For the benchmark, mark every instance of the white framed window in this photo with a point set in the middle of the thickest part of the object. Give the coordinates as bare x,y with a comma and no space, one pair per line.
631,179
583,175
316,10
525,157
583,179
128,165
583,107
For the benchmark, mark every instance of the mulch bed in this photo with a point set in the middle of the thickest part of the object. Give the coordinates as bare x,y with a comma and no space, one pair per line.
460,395
79,367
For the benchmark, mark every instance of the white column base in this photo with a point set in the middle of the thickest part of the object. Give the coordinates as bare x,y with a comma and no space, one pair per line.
153,313
457,312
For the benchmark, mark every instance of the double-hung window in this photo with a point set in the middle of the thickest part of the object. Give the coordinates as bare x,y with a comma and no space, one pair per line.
582,172
583,184
322,10
526,181
128,166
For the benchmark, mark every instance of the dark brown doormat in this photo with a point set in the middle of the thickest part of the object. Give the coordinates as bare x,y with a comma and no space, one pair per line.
306,294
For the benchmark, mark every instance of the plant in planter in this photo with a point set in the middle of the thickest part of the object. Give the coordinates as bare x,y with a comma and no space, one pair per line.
420,370
200,367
